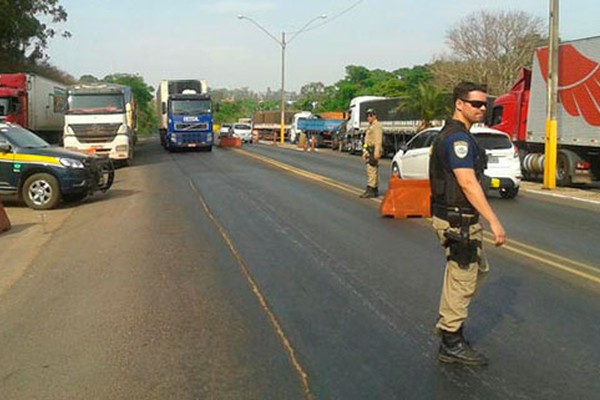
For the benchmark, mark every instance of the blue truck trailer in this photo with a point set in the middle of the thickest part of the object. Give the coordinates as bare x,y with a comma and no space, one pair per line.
320,130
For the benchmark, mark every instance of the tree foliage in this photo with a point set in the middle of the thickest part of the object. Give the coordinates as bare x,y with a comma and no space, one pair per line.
489,48
143,95
23,34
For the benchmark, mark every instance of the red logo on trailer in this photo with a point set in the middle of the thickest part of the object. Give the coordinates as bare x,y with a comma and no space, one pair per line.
578,82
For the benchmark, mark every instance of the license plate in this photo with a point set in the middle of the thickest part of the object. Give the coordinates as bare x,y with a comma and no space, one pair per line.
495,183
493,160
191,145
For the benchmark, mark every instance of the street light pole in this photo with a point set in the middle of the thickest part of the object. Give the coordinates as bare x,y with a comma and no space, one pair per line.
551,122
282,128
283,45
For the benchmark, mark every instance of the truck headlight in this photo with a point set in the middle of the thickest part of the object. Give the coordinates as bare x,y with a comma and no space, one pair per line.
71,163
122,148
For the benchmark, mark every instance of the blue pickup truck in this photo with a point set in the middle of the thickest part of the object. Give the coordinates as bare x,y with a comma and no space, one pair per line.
321,130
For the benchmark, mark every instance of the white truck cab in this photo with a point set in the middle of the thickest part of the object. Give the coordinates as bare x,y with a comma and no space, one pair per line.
100,119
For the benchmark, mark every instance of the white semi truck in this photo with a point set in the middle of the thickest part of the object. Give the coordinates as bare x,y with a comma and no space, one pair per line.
100,118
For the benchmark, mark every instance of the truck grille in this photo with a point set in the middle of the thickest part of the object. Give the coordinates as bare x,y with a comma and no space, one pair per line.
191,138
95,133
191,126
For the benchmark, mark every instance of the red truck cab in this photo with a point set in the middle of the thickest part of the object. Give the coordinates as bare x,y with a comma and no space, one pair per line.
13,98
510,110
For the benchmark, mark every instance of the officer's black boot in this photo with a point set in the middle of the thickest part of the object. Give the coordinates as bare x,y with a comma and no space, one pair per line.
369,193
364,194
455,349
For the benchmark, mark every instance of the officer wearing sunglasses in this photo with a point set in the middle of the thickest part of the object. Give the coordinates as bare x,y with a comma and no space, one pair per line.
457,201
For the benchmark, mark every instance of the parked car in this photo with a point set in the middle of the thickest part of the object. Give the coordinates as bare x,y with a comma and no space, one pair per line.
243,131
503,168
225,129
42,175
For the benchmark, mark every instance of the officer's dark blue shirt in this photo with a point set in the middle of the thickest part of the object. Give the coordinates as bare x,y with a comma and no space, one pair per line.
460,150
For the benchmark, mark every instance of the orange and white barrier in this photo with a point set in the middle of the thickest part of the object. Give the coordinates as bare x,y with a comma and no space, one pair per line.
407,198
230,141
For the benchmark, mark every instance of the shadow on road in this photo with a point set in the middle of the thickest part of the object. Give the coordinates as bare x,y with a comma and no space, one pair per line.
15,229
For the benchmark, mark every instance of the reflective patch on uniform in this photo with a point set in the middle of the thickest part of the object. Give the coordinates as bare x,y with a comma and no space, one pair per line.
461,148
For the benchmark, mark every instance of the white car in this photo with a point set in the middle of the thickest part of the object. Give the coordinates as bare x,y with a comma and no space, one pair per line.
243,131
503,168
225,129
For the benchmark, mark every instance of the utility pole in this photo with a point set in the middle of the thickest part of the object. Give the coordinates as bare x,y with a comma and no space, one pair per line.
282,130
551,122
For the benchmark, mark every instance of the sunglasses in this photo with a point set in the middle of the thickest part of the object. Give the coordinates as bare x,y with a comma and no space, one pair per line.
476,103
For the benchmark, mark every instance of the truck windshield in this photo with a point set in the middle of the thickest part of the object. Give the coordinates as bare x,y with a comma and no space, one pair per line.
190,107
4,106
96,104
20,137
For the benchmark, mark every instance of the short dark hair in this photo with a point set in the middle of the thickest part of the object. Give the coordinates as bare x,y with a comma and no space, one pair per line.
463,89
370,111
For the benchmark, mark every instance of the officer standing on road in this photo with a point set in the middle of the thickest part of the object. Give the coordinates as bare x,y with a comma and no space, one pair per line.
457,200
371,154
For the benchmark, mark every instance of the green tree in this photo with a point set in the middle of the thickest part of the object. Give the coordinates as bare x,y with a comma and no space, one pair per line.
23,34
147,121
427,102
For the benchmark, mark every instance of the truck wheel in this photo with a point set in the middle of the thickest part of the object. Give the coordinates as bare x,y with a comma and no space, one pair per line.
41,191
509,193
563,169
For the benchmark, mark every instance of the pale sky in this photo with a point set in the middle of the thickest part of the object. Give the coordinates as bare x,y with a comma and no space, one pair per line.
204,39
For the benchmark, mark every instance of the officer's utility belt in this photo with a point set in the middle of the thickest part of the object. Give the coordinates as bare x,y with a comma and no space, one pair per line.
462,248
456,216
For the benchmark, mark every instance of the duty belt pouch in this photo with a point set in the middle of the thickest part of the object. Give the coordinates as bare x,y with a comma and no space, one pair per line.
462,249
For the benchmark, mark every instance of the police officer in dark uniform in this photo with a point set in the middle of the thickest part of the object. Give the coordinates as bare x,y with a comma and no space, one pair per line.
458,200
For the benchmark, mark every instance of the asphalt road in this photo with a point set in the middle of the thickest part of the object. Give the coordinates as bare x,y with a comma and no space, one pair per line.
216,275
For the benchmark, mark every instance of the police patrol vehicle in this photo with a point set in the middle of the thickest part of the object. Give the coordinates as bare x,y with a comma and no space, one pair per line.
42,175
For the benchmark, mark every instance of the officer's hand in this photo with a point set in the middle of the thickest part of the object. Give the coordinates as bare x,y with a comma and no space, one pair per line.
499,233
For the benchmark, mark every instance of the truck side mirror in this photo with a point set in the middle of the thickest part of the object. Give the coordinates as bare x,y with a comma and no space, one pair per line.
5,147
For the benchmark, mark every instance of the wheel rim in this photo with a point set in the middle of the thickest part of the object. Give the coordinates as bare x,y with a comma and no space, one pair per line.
562,168
40,192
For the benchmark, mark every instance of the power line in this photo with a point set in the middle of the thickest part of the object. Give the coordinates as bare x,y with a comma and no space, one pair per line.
336,16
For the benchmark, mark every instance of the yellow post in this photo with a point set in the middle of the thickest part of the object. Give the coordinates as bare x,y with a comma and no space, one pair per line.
552,101
550,158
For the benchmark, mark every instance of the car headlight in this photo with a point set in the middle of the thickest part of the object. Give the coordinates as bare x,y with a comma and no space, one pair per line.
71,163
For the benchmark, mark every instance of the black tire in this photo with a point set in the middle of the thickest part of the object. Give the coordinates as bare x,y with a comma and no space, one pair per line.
209,148
509,193
74,197
563,169
41,191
